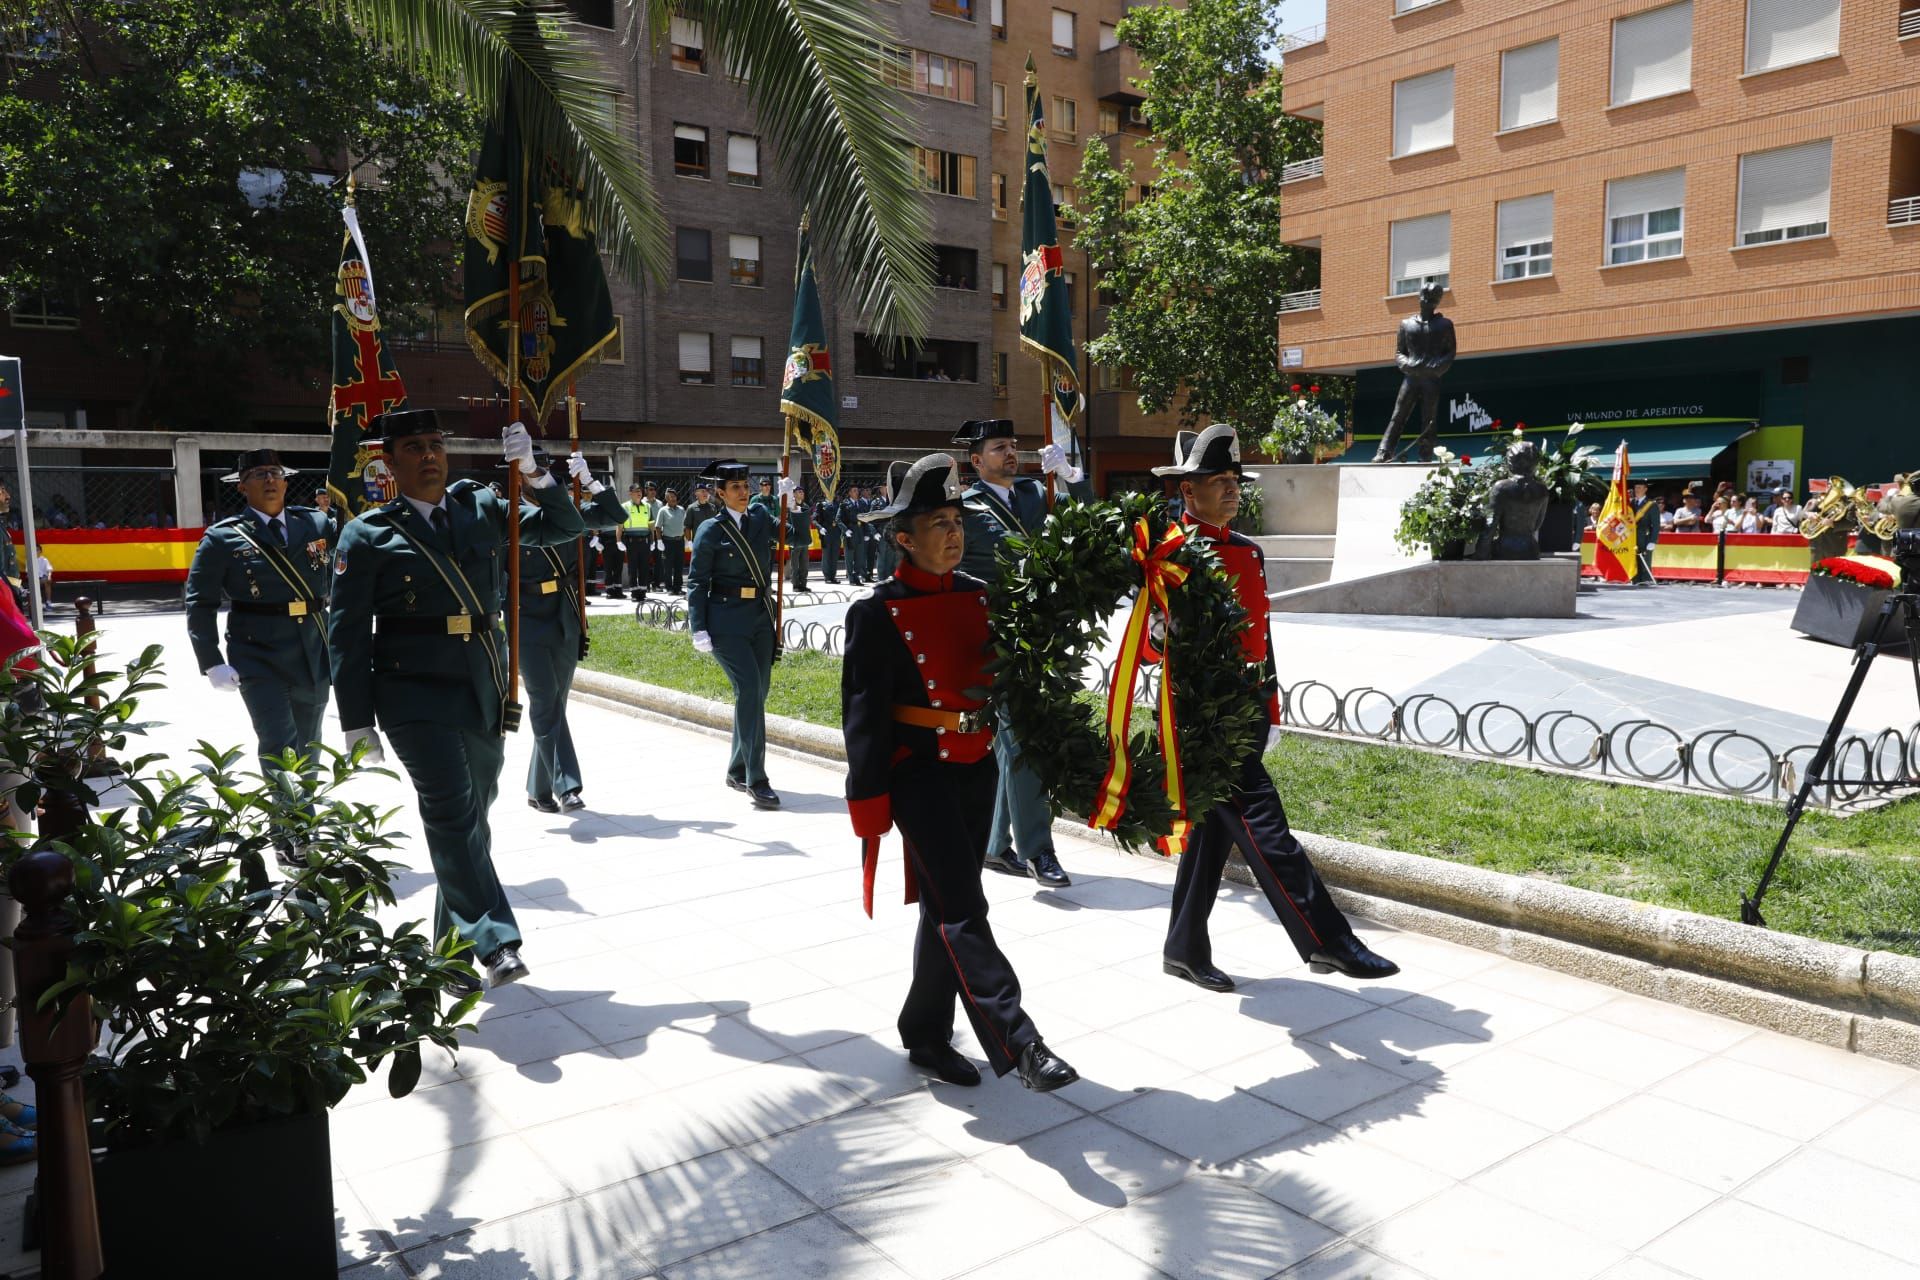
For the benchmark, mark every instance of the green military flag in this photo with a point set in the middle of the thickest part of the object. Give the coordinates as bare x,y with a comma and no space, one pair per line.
1046,305
806,391
365,381
528,215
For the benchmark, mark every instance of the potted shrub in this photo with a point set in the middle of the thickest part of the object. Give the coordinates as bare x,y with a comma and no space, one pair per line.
1841,602
1448,512
235,1007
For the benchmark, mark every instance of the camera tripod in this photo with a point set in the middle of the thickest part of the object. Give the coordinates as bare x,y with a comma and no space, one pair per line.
1906,603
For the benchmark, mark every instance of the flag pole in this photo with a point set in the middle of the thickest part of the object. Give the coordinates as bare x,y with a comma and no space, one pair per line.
780,557
580,543
1046,426
510,718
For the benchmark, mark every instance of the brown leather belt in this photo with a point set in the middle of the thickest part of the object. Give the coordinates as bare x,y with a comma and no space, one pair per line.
975,721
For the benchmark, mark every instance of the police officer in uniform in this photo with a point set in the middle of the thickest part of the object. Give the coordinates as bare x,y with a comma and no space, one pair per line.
704,508
730,612
1646,522
418,648
826,514
1207,465
912,696
272,564
1001,504
636,531
551,646
855,533
799,539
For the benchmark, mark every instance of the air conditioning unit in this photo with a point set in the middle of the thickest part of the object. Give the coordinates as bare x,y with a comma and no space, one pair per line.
1136,115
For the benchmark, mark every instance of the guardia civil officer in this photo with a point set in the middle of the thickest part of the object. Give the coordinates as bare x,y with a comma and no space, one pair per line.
730,612
551,646
913,690
826,514
419,650
270,565
1207,465
1001,504
799,539
851,509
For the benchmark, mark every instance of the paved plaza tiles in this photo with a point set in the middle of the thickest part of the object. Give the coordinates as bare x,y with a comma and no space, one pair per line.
701,1080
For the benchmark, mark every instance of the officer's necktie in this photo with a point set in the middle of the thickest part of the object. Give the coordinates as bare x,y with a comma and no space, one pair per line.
278,532
440,525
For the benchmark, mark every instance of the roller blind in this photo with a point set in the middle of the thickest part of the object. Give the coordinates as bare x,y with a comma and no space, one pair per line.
1647,193
696,353
998,13
1423,113
744,348
1062,29
1109,36
1783,32
1653,53
1530,84
1787,187
689,133
686,32
1526,221
743,247
743,154
1422,247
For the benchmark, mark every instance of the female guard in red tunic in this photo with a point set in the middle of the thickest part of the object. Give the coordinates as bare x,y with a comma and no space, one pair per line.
920,757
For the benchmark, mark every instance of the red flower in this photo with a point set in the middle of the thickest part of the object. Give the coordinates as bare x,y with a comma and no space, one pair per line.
1496,424
1851,570
1295,387
1519,426
1315,388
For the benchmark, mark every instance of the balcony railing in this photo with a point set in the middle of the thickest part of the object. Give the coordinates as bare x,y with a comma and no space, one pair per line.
1903,211
1910,24
1301,170
1302,39
1305,300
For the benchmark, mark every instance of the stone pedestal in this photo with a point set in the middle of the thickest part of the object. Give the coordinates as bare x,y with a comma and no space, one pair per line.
1447,589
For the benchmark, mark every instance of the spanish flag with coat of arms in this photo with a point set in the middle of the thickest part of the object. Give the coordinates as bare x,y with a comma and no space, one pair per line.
1616,538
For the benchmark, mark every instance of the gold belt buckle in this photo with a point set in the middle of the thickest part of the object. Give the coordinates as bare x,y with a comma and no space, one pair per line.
550,586
748,593
461,625
972,721
297,609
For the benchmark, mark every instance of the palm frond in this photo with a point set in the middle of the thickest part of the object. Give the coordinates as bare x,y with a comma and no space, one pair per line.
839,136
566,104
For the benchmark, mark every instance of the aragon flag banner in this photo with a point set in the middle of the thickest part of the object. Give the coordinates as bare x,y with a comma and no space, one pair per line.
365,382
806,390
528,215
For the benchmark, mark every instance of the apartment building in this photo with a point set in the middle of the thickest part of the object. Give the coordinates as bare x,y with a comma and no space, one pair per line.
1695,223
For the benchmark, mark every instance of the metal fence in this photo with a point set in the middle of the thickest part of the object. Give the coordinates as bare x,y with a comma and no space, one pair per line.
129,494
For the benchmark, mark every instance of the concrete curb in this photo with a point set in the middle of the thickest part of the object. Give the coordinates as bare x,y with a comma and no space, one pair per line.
1864,1001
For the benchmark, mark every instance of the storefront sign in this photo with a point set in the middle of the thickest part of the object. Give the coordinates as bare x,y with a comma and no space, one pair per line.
1764,475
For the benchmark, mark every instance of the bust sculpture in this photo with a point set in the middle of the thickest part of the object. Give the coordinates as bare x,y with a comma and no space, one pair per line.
1424,352
1519,505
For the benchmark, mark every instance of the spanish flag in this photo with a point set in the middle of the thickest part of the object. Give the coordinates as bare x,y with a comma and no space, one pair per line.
1615,537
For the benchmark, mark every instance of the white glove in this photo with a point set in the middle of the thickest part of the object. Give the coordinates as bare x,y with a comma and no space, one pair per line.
577,468
594,543
224,678
376,754
1273,738
702,642
786,486
517,447
1053,461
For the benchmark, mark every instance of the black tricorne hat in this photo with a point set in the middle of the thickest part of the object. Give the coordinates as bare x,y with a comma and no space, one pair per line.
257,458
725,469
398,424
1206,453
977,432
929,484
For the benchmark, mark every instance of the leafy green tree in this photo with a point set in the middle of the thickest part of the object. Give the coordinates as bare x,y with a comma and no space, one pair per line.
175,168
1196,268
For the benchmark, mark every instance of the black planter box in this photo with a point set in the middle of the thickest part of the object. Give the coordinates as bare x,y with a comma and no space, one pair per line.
256,1200
1557,531
1844,613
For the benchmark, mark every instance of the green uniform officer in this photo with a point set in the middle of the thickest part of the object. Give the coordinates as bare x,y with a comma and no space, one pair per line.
418,645
799,541
550,649
730,612
270,564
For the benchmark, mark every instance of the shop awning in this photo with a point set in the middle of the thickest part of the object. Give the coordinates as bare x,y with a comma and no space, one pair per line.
1662,451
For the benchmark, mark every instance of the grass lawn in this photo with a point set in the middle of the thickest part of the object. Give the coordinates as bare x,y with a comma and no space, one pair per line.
1852,880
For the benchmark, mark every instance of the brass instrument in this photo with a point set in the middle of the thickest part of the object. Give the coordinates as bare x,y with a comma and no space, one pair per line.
1844,507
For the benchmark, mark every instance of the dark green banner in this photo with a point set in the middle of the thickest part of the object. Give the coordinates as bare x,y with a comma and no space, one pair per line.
806,390
1046,304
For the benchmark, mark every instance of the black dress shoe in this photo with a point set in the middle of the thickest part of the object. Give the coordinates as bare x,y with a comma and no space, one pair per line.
1007,864
291,857
571,801
763,796
1048,871
946,1062
544,804
466,984
1042,1071
1351,957
1204,976
505,966
736,784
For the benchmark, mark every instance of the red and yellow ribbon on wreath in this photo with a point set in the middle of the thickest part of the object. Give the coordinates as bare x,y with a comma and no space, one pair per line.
1159,575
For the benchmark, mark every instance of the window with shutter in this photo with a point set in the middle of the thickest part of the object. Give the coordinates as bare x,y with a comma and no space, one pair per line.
999,286
1781,33
1530,85
1785,193
689,151
748,368
1423,113
1653,53
1525,230
693,253
1109,36
696,359
953,8
743,260
999,105
743,160
1646,217
1063,42
999,19
1421,249
687,45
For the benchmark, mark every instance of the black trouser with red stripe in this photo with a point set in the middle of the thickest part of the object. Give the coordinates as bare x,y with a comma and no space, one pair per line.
943,812
1254,819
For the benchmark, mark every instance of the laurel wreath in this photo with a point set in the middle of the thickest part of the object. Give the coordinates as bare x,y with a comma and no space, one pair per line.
1057,592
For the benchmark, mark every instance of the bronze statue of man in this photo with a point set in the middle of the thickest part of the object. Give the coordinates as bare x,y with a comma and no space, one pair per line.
1519,505
1424,353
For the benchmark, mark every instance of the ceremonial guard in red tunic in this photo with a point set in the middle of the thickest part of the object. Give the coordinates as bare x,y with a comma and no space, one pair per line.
1207,465
920,756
